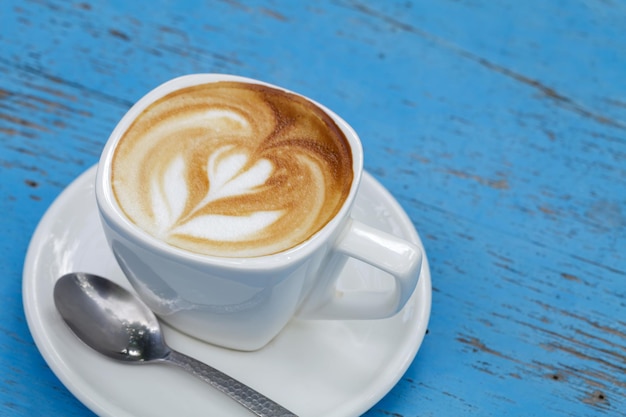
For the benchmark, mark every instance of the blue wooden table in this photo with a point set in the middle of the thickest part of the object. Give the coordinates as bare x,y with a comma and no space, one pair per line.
499,126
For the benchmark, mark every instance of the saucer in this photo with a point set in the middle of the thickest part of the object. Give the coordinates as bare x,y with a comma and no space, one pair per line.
313,368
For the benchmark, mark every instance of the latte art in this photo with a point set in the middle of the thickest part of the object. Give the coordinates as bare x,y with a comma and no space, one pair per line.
232,169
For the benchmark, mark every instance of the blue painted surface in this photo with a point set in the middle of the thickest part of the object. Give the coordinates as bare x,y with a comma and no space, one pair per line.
499,126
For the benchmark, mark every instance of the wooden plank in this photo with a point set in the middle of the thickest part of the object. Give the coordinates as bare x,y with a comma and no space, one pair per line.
499,126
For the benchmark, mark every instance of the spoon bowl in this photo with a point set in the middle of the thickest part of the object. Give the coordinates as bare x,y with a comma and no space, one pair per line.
109,319
114,322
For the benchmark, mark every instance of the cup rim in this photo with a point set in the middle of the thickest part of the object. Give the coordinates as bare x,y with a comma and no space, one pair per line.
111,212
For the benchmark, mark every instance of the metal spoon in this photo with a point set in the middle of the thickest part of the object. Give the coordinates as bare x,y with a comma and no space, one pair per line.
114,322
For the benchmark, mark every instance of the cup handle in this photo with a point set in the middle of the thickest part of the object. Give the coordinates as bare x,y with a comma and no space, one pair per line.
389,253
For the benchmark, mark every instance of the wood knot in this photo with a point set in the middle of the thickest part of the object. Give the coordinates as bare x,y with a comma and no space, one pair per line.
596,398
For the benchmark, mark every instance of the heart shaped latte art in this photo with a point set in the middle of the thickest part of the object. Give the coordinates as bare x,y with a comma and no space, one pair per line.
227,178
232,169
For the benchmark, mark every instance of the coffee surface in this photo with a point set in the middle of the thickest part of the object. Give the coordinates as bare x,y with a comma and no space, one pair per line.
232,169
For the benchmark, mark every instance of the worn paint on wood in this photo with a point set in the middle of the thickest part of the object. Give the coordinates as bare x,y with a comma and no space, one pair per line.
499,126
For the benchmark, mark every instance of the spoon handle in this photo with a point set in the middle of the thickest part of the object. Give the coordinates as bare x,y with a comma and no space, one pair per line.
254,401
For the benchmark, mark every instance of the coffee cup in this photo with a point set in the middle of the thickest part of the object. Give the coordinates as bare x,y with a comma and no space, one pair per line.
227,204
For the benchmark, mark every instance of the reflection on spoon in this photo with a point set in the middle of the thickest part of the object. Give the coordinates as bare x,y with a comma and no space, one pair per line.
115,323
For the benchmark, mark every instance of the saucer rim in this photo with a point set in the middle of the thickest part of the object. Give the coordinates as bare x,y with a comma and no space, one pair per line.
104,406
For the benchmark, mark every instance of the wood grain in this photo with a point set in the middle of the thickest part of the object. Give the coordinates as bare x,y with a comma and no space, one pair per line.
499,126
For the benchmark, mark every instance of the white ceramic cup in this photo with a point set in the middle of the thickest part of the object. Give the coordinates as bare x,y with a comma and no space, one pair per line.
243,303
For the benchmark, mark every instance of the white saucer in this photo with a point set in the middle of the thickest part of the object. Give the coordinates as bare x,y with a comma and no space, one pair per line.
314,368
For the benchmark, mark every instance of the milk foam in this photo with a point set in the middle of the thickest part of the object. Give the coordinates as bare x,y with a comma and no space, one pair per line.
227,228
232,169
227,177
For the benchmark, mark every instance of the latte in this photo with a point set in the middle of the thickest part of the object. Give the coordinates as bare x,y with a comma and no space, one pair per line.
232,169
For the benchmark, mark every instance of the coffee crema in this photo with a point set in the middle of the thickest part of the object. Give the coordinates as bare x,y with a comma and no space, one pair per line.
232,169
